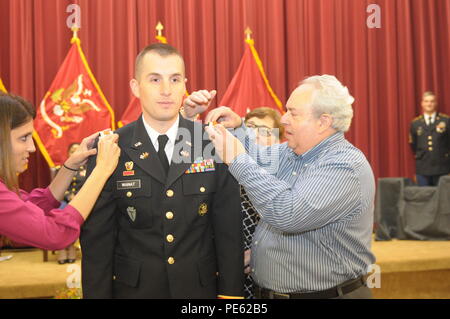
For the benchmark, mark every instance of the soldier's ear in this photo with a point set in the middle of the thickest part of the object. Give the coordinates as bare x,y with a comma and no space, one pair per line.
134,85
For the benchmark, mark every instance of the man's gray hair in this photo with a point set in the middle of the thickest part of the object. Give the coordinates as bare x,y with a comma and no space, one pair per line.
332,98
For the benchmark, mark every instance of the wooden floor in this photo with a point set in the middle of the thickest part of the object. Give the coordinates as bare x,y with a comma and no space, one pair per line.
409,269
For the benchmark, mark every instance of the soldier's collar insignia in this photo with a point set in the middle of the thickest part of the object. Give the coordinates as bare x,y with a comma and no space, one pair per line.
184,153
144,155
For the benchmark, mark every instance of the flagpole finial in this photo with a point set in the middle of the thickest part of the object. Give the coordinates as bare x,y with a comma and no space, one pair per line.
75,38
248,33
159,28
75,32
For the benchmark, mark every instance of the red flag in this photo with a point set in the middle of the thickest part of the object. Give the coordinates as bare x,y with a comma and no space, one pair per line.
249,88
131,113
2,87
74,107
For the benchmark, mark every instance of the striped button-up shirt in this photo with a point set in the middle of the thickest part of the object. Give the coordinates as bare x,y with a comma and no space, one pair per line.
316,215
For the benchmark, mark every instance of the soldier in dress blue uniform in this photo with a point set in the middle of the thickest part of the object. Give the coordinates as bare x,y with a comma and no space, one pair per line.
429,138
168,223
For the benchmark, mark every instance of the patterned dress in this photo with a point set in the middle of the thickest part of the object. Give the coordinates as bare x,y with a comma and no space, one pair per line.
250,220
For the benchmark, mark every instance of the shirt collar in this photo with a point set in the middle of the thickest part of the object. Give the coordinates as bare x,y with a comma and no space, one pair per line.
325,144
171,132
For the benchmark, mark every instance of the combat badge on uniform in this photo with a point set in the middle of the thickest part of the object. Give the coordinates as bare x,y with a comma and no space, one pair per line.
132,213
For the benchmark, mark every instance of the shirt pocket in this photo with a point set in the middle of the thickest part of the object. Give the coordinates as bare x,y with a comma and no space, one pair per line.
198,191
126,270
133,197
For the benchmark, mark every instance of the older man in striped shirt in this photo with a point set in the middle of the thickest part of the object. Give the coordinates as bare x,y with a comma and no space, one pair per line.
316,205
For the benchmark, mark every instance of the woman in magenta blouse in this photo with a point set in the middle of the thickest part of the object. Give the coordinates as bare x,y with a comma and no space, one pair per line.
34,218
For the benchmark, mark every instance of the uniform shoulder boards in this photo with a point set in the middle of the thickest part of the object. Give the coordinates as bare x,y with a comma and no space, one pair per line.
445,116
418,118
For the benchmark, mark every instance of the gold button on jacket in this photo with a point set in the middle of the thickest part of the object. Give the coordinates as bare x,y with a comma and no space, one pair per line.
169,193
169,238
169,215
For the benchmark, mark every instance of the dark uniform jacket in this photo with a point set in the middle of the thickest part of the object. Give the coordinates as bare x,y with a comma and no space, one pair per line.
431,145
152,237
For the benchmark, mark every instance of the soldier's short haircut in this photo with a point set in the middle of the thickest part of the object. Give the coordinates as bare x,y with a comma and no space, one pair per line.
162,49
427,94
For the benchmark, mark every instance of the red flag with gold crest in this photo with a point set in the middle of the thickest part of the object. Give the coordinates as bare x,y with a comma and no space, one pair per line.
250,88
74,107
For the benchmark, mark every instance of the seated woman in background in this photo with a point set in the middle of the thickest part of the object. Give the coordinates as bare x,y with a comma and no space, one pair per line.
34,218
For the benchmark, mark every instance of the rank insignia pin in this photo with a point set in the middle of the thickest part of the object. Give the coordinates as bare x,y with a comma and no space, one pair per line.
137,144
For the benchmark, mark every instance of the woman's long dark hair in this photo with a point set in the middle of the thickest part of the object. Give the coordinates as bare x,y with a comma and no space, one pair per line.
14,112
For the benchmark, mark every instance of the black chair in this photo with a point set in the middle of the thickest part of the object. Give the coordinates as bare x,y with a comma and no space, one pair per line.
406,211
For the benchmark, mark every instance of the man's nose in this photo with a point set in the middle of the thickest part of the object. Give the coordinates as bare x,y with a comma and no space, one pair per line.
165,88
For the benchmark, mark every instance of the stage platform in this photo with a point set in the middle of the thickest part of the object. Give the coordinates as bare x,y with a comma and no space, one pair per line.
409,269
27,276
413,269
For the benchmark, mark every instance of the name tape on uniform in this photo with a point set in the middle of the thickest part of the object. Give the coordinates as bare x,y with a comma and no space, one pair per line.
130,184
